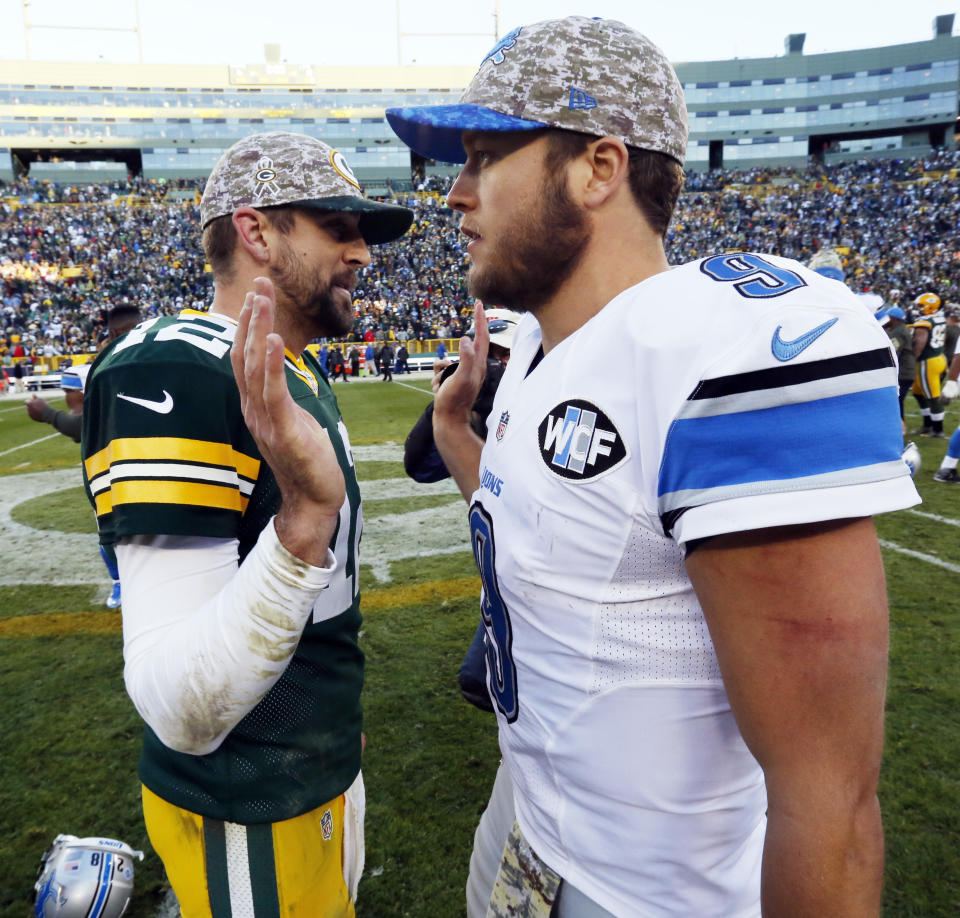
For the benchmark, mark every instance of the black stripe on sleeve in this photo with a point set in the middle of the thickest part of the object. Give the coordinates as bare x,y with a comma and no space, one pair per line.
669,519
793,374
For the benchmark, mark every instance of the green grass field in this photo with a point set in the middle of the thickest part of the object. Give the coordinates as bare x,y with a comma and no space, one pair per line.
72,738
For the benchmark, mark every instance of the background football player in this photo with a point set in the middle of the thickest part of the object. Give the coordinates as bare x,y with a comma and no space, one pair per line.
929,336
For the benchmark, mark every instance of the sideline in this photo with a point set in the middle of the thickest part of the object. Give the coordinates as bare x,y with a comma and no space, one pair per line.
13,449
109,621
920,556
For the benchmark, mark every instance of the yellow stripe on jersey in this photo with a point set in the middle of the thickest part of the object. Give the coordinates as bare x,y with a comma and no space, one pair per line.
152,491
127,449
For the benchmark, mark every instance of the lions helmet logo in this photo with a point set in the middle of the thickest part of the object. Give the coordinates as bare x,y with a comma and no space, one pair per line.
578,441
495,54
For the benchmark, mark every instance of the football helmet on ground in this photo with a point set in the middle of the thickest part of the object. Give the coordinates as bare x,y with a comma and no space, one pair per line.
84,878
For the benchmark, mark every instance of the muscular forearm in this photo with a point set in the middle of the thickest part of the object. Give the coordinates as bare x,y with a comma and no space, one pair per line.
823,858
204,640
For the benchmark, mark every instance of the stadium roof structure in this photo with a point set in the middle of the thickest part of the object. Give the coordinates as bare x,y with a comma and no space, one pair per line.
58,119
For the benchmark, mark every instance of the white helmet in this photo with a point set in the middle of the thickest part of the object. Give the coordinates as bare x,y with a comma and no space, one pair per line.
911,455
84,878
502,323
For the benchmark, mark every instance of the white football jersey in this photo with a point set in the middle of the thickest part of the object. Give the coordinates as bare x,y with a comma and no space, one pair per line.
733,393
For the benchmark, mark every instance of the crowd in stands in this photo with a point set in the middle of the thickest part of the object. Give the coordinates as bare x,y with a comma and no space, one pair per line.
69,253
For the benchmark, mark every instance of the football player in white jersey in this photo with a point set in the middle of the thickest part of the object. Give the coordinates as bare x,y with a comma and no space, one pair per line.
683,592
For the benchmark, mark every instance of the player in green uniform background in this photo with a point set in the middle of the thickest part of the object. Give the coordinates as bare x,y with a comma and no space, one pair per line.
220,470
929,336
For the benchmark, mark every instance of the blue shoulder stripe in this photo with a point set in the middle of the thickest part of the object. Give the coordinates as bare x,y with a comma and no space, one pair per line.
770,445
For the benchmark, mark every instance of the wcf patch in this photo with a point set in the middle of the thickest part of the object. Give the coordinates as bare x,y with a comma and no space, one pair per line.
578,441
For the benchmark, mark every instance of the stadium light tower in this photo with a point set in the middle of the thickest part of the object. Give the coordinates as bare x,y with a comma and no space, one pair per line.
33,26
401,35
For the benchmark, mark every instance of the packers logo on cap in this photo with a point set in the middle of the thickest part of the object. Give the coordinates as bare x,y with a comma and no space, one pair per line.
265,178
340,164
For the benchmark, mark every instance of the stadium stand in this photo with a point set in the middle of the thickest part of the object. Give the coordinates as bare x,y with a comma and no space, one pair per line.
67,253
101,167
80,120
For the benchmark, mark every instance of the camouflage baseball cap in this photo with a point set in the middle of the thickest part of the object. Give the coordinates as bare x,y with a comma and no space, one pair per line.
267,170
595,76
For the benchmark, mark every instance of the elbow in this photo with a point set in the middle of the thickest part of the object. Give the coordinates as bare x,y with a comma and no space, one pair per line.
181,723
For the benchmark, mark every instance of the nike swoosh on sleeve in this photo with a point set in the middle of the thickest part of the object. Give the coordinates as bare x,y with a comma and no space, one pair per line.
165,406
787,350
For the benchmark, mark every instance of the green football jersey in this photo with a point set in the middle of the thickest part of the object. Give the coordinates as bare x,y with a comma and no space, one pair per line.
166,451
936,325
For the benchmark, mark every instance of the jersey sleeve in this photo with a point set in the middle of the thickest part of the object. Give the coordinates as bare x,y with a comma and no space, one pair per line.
797,422
165,448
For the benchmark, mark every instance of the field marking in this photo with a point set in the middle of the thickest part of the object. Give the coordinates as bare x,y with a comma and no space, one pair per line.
935,517
415,388
920,556
51,557
61,624
14,408
40,555
13,449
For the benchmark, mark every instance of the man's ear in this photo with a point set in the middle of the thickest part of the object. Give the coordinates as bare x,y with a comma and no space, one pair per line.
606,164
251,226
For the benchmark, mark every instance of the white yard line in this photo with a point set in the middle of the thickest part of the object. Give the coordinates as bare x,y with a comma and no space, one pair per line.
935,518
427,392
13,449
920,556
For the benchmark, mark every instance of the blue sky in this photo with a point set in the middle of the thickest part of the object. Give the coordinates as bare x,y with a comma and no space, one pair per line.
364,32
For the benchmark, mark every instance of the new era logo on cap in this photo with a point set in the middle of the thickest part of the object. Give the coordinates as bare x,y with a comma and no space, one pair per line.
580,99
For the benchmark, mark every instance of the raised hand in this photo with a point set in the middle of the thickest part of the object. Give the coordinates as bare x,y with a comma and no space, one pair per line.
459,446
455,397
295,446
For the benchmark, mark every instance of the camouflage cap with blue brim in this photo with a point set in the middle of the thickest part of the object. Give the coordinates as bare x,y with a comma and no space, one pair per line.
281,168
594,76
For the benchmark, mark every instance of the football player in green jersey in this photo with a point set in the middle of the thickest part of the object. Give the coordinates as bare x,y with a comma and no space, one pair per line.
220,470
929,336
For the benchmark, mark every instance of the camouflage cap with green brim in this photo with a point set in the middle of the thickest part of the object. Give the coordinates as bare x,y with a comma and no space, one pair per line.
594,76
281,168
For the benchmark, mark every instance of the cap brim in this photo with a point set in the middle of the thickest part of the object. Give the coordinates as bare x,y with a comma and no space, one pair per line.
832,273
434,131
378,222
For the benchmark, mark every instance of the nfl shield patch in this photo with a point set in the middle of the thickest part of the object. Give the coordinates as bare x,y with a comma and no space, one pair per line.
326,825
502,426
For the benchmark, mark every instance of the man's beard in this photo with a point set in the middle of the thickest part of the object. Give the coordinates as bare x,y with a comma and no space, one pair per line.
311,296
533,257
